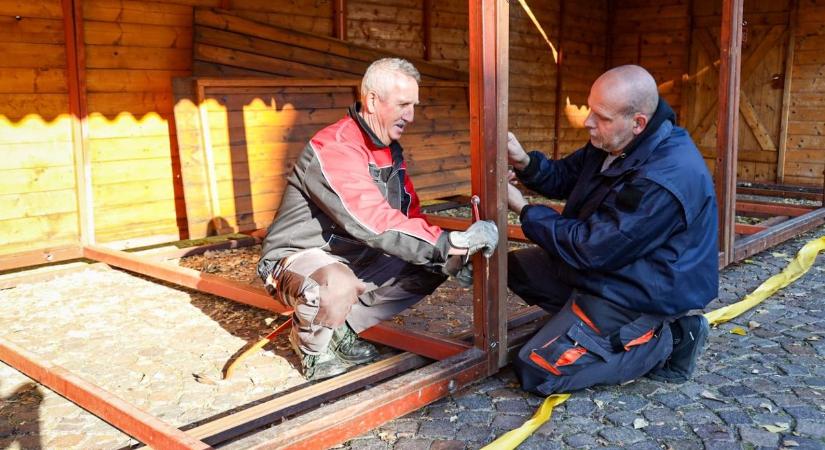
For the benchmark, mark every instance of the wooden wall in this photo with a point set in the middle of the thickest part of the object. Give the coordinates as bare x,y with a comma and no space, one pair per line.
38,207
805,158
780,122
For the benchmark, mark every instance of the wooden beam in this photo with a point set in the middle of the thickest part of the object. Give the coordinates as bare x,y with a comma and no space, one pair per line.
793,18
560,80
727,130
339,19
105,405
78,108
427,28
489,45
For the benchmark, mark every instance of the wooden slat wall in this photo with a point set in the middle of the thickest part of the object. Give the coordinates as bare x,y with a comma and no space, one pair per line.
310,16
38,205
532,106
654,35
448,21
391,25
585,42
805,159
133,50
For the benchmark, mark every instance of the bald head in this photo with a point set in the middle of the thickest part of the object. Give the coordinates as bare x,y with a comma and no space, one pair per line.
632,87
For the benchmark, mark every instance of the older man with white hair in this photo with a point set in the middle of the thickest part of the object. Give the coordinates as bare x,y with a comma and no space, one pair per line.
349,246
633,251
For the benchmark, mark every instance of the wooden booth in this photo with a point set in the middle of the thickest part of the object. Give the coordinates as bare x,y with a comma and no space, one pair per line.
128,123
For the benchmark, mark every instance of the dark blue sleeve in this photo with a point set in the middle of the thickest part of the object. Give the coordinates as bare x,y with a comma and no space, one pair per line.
627,225
552,178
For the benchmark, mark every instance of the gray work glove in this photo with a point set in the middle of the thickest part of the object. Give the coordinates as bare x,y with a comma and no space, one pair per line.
482,235
456,268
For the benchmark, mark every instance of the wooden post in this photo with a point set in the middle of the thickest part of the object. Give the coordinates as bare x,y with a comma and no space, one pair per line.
339,19
427,28
727,131
559,83
489,46
78,108
786,93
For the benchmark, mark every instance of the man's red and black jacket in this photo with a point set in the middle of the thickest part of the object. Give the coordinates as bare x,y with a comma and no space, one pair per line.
350,195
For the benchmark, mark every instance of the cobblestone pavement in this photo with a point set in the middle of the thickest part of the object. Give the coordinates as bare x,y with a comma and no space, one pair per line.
762,390
162,349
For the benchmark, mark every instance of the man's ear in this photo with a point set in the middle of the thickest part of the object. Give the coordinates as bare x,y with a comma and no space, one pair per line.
639,123
369,102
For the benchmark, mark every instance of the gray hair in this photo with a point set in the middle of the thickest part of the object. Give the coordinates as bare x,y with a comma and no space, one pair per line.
638,88
376,79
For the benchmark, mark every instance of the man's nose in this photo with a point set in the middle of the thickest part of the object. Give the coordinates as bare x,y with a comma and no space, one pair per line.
588,121
408,114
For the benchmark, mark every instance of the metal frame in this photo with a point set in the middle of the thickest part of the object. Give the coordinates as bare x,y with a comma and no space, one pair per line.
393,389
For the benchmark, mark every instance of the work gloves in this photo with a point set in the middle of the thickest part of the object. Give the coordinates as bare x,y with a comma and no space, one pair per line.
482,235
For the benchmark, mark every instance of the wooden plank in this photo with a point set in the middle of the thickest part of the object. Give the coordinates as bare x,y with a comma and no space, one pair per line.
138,12
105,405
32,30
327,45
786,91
125,57
762,135
26,55
774,235
489,77
773,209
273,66
18,80
120,34
29,9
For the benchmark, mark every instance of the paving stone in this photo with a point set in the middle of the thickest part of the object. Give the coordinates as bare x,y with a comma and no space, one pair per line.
474,401
508,422
811,428
472,433
622,418
714,432
580,406
621,436
673,400
412,444
736,391
758,437
735,417
667,431
436,428
447,445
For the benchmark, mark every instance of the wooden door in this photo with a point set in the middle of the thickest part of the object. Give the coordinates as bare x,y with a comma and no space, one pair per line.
764,49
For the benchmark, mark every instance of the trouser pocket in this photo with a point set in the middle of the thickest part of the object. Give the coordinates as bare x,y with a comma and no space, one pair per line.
574,351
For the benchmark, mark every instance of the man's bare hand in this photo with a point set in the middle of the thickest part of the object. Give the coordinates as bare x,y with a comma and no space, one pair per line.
516,155
515,201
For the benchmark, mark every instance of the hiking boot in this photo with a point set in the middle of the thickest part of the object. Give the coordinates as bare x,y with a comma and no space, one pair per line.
321,366
348,347
689,336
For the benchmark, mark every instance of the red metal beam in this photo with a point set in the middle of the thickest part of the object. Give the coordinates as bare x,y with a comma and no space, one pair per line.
744,228
182,276
352,416
727,125
773,209
489,72
758,242
125,417
422,343
514,232
41,256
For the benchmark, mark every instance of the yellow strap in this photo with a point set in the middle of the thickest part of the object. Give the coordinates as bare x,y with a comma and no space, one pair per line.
795,269
523,4
513,438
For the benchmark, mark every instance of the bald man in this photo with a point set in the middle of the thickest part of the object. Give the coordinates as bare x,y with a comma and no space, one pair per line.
634,250
350,247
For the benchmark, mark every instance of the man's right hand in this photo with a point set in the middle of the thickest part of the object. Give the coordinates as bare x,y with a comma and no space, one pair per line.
516,155
482,235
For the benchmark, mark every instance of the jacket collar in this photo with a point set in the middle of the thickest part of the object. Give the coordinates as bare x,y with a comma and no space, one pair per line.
640,148
353,112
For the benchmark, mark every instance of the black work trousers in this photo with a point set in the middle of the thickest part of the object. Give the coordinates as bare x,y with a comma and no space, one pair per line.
588,340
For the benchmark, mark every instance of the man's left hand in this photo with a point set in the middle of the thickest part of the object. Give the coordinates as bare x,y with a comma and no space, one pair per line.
515,200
